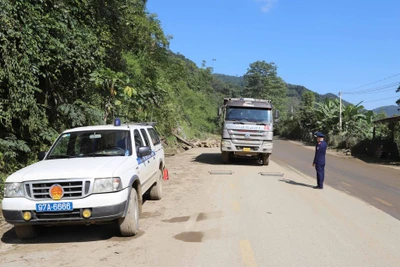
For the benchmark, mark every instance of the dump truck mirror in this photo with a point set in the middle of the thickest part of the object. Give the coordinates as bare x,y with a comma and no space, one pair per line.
219,111
276,114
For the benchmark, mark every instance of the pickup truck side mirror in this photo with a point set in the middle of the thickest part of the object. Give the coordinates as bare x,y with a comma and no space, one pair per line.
41,155
144,151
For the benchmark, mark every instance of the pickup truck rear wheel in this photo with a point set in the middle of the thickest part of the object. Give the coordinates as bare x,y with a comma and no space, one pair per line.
156,189
129,225
26,231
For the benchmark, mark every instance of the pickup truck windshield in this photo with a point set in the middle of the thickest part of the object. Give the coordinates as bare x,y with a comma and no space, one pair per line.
101,143
248,114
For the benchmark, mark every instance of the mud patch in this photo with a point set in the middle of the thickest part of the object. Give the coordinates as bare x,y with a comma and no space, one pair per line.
177,219
192,237
210,215
201,217
146,215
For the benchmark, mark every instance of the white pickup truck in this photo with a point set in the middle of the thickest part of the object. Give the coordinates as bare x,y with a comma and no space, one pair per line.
94,174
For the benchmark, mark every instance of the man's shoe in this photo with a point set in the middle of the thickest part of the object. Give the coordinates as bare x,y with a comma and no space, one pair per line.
317,187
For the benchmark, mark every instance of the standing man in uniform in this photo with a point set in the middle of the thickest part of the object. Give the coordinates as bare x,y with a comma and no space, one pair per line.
319,160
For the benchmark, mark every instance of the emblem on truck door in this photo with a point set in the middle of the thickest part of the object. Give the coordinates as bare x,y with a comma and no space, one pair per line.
56,192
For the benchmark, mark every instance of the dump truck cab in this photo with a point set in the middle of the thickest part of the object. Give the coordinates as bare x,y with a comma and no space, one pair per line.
247,129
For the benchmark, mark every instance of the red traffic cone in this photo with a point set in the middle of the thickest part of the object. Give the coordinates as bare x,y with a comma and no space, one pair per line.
166,175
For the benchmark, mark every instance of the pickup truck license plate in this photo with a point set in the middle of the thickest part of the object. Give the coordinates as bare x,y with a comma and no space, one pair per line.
54,207
247,149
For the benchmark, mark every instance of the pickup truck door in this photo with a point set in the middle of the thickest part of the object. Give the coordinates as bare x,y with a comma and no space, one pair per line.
153,160
144,167
158,148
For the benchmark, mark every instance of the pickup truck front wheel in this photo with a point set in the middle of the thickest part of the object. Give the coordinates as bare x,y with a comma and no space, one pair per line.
26,231
129,225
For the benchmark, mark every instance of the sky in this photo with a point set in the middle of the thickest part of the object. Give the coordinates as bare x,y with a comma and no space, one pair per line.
349,46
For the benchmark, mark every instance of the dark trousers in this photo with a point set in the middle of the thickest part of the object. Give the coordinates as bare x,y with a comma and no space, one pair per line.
320,175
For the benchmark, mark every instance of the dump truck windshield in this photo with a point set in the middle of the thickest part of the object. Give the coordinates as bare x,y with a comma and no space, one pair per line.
248,114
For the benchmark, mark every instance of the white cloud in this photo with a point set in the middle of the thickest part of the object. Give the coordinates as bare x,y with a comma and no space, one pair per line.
267,4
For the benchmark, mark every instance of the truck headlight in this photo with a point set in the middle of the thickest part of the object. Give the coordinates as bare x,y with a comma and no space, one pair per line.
226,143
106,185
267,145
14,190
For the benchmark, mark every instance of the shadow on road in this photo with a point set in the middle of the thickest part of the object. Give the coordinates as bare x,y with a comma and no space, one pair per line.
72,233
215,159
288,181
65,234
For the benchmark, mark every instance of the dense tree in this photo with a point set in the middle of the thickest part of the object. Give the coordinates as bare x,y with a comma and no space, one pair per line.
308,100
73,63
262,81
357,123
307,113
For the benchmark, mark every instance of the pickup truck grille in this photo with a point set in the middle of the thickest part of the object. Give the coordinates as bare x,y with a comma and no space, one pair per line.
58,216
72,189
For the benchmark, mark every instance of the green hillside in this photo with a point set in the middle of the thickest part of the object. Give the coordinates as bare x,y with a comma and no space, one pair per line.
235,80
294,92
390,111
79,63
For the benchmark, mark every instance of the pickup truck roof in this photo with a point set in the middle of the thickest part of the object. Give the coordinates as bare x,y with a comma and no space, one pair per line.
109,127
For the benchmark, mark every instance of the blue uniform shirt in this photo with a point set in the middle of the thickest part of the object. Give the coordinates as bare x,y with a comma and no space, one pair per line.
320,151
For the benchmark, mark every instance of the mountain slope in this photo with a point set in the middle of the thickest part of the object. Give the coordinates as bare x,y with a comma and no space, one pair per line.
236,80
390,111
294,91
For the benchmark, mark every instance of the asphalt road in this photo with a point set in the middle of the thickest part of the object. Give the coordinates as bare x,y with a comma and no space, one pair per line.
375,184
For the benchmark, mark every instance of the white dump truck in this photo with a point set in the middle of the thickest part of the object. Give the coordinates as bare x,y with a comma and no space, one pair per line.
247,128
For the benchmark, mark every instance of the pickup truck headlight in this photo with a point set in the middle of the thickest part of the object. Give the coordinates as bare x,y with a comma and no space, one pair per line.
106,185
14,190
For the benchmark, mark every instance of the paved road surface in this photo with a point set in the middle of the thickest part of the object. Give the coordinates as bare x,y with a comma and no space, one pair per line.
377,185
239,219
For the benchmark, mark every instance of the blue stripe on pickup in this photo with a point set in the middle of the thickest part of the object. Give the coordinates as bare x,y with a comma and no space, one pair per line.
143,159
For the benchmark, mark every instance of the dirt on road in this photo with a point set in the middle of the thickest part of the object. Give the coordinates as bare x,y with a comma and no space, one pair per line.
211,214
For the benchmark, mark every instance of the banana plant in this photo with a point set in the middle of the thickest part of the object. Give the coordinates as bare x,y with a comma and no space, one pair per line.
327,114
